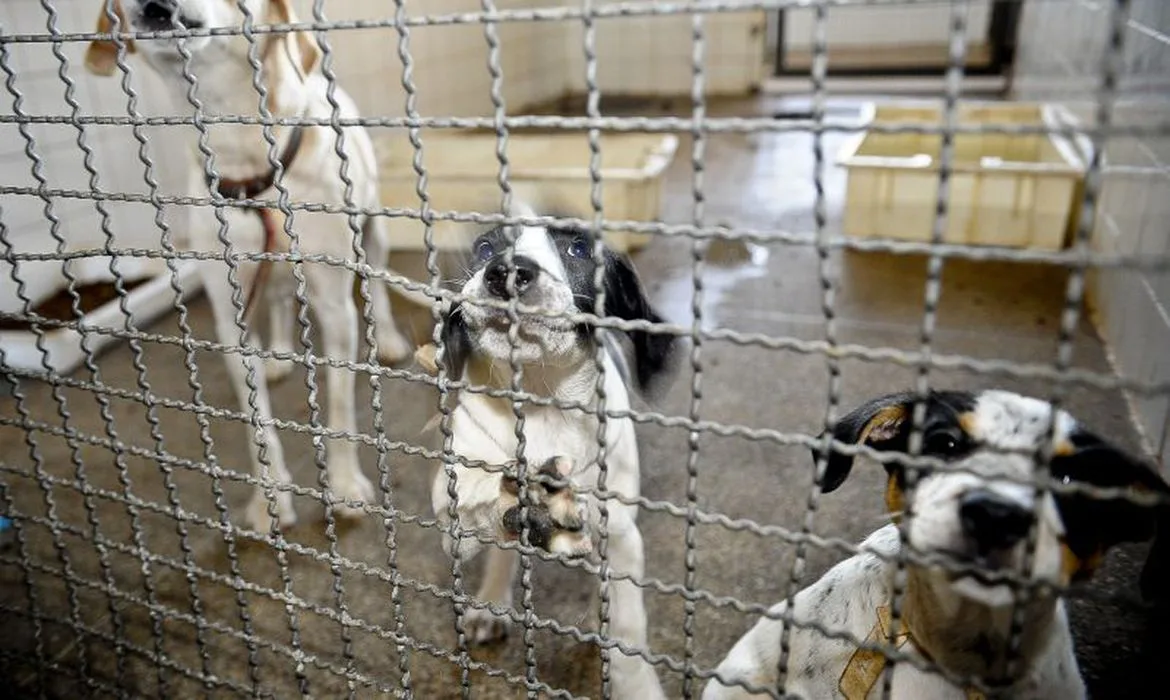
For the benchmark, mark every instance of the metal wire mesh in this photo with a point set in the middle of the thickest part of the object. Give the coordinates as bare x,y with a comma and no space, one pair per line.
129,571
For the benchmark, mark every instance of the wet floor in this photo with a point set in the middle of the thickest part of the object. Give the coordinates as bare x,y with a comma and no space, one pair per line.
165,607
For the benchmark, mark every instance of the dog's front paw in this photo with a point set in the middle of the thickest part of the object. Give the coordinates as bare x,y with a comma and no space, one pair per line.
352,487
258,515
393,347
554,516
482,626
276,370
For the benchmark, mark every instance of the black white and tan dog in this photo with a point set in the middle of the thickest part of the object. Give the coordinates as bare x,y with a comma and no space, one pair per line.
554,271
977,513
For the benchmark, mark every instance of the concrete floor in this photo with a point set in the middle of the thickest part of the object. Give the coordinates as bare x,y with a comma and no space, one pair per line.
1003,311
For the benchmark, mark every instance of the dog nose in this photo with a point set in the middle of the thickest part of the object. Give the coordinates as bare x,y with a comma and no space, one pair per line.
992,521
158,10
495,277
163,15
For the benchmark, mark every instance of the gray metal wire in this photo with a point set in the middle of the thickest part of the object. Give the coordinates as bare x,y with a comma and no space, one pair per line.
593,108
931,298
828,309
341,661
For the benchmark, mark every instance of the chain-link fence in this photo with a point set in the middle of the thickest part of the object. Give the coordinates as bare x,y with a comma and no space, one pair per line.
181,522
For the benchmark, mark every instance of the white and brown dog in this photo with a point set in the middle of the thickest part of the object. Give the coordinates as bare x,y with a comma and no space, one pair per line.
554,272
312,173
978,515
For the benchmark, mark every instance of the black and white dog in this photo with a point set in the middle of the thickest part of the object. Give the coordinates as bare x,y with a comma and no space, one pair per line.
978,513
554,271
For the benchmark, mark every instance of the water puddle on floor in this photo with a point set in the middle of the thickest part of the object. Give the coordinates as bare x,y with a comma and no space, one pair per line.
726,264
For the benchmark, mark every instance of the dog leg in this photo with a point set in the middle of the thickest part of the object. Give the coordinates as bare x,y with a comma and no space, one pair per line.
280,324
754,658
393,346
338,320
219,292
633,676
481,625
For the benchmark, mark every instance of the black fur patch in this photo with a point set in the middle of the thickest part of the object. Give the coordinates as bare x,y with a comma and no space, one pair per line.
1095,524
456,343
943,436
624,297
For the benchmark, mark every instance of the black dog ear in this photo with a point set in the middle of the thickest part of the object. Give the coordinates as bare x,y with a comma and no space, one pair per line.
1095,523
881,423
625,299
456,342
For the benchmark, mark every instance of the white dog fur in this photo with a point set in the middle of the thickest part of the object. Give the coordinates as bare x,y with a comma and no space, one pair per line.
978,516
554,272
295,88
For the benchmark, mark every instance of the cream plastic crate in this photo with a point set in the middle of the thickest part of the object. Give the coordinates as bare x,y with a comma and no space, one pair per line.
550,168
145,302
1009,190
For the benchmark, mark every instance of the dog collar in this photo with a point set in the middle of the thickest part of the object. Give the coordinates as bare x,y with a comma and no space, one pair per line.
249,188
866,665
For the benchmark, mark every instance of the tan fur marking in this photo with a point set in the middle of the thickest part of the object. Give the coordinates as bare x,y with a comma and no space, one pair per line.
865,666
1076,569
301,51
1064,448
967,423
424,355
895,502
101,57
883,423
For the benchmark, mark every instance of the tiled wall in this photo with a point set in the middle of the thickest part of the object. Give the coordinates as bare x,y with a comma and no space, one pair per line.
653,55
450,60
1061,46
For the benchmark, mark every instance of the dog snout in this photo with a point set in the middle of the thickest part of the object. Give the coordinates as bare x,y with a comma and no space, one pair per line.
992,521
160,15
495,277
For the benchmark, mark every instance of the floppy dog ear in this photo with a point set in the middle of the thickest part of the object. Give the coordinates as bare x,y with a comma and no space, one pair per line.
1095,524
625,299
881,423
101,57
456,342
300,48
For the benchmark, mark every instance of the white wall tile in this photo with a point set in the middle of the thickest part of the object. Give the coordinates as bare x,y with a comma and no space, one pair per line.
1059,57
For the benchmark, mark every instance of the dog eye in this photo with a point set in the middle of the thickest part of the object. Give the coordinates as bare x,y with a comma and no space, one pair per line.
484,250
579,248
943,445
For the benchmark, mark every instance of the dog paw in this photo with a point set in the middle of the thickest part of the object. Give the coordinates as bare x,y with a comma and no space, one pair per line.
555,515
393,347
482,626
355,487
258,517
275,370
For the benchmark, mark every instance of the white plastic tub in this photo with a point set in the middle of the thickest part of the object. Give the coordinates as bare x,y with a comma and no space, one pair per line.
146,303
462,170
1010,190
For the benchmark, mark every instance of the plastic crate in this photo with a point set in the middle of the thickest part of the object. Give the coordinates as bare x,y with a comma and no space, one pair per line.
550,168
147,301
1009,190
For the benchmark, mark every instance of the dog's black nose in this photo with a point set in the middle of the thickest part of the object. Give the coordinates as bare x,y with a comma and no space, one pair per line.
992,521
495,277
160,14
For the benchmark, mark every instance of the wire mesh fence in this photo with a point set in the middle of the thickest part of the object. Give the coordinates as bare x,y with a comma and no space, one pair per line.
199,507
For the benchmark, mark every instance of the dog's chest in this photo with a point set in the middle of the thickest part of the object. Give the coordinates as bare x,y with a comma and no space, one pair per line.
552,433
